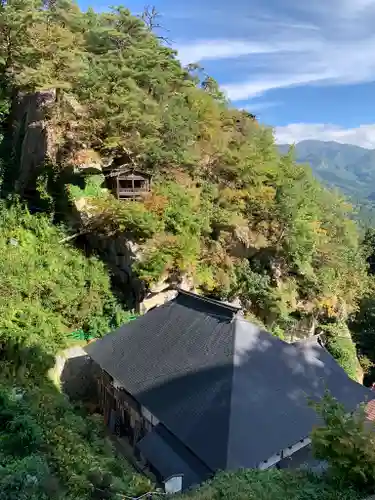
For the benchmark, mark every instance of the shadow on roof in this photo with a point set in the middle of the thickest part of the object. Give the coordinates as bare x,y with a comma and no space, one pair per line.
238,414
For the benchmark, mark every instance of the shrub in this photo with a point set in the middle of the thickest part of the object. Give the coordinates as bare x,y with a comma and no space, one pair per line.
45,433
111,215
48,288
270,485
22,436
346,443
340,345
93,188
25,479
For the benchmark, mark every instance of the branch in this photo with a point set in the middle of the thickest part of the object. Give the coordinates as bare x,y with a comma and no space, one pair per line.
150,17
69,238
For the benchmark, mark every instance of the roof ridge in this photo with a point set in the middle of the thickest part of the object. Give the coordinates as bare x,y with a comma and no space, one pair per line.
214,302
262,329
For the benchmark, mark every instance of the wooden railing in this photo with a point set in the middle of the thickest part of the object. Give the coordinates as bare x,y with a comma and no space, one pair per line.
131,190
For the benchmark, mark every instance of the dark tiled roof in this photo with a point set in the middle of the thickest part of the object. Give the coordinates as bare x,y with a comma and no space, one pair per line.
160,447
232,393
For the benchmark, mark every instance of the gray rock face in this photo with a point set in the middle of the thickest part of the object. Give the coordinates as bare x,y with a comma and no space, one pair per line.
33,140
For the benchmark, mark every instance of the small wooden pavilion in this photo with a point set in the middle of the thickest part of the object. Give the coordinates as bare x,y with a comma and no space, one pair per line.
128,184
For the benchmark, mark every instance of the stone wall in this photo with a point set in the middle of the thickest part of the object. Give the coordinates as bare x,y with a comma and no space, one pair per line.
74,371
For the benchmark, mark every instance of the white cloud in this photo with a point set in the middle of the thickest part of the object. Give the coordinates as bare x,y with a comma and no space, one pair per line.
358,6
257,106
257,87
202,50
319,43
363,136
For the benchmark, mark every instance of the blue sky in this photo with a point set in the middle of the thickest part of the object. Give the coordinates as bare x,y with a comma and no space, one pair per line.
305,67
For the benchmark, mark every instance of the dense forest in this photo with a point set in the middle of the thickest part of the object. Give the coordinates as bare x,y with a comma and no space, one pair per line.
227,211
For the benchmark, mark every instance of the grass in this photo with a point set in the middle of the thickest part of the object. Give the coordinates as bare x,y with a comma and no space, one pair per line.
92,189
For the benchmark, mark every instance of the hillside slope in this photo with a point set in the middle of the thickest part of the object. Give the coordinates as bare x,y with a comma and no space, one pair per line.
226,212
344,166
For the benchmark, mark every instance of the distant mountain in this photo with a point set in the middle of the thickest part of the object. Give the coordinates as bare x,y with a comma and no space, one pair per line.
349,168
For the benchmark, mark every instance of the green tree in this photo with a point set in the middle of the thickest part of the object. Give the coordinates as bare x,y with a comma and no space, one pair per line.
346,443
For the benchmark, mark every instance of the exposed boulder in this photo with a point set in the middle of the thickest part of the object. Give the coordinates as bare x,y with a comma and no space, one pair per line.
87,161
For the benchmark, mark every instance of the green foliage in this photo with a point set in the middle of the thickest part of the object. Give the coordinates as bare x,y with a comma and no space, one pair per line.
114,216
23,436
43,434
222,193
362,325
342,348
227,210
47,287
251,285
344,166
93,188
346,443
271,485
183,213
28,478
278,332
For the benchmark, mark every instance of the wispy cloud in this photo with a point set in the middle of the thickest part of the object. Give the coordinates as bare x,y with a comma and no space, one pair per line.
258,106
254,88
218,49
363,136
315,43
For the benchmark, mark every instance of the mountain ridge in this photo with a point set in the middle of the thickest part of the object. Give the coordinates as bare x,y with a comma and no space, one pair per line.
333,143
347,167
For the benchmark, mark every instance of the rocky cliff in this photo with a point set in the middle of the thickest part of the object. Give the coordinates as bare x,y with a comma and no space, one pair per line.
34,141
